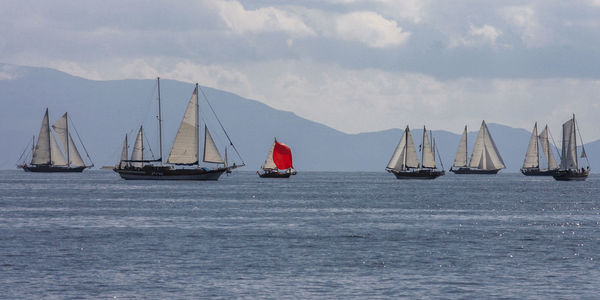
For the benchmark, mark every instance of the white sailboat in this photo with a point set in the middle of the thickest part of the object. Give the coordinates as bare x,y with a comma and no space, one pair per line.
47,155
569,163
404,163
485,158
531,165
184,152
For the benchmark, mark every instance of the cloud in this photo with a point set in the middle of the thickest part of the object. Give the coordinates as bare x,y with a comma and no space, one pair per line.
524,20
477,36
371,29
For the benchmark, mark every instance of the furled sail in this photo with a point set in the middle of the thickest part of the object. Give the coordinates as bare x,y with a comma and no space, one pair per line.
282,156
124,153
185,147
211,153
269,163
58,159
532,157
137,153
405,155
485,155
428,157
41,152
547,149
62,131
461,154
569,146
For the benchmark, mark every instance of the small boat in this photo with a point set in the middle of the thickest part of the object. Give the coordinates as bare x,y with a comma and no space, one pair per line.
183,162
47,156
404,163
278,163
569,164
531,165
485,158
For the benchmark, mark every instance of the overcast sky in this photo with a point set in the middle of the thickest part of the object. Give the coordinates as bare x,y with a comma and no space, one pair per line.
355,65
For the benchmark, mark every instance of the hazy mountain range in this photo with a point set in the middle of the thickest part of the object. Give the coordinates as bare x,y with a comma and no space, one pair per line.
104,111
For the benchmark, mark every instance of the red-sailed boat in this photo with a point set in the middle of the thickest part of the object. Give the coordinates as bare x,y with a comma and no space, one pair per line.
278,163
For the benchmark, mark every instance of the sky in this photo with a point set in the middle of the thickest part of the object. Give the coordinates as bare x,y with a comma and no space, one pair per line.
354,65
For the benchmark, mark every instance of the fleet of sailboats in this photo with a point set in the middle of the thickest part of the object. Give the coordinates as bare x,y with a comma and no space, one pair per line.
278,163
485,158
194,148
46,154
404,163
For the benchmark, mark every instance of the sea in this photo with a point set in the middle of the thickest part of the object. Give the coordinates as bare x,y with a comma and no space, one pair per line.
323,235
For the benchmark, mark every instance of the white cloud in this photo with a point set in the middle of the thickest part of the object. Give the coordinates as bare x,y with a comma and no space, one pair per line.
267,19
484,35
370,28
526,23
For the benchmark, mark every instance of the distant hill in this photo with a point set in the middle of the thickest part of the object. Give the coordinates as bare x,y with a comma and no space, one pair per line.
103,111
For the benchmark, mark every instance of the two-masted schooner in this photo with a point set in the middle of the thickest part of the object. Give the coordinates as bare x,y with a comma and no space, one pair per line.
183,162
278,163
46,155
531,165
404,163
485,158
569,164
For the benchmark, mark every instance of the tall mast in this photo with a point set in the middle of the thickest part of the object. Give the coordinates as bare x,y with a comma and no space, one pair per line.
574,134
198,128
423,146
142,138
405,148
32,146
49,137
159,122
67,128
466,146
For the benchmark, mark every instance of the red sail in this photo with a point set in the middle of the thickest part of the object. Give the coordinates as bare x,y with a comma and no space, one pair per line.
282,156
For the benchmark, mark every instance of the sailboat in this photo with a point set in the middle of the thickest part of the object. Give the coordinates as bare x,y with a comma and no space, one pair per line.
485,158
278,163
184,152
46,154
569,164
531,165
404,163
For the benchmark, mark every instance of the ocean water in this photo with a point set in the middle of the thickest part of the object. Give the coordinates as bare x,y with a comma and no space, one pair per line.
316,235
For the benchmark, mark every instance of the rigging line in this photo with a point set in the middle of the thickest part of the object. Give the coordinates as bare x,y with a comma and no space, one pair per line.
81,141
218,120
555,147
26,148
149,148
438,153
582,148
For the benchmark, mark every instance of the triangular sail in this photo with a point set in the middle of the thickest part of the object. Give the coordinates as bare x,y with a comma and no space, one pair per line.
211,153
405,155
61,129
485,155
137,153
569,146
58,159
428,156
547,149
124,154
185,147
461,154
269,163
41,152
532,157
412,160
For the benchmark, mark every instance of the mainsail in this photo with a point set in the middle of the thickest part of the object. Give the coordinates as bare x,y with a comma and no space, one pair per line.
58,159
185,147
41,152
269,163
124,153
569,146
485,155
211,153
461,154
61,127
532,157
427,157
405,155
137,153
547,149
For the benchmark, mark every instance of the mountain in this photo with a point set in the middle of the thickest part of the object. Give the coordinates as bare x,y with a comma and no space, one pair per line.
104,111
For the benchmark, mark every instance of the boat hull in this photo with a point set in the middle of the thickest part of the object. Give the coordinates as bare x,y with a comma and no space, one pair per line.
570,175
52,169
538,172
418,174
168,173
473,171
274,175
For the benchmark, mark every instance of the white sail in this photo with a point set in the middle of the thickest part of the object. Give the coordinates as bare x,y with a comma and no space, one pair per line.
41,152
211,153
485,155
124,154
269,163
58,159
428,157
461,154
532,157
185,147
569,146
137,153
412,161
405,155
62,131
547,149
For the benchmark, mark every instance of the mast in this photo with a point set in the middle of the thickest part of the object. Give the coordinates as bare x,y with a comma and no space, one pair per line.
49,137
574,135
198,129
142,138
466,146
67,128
159,122
32,146
423,146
